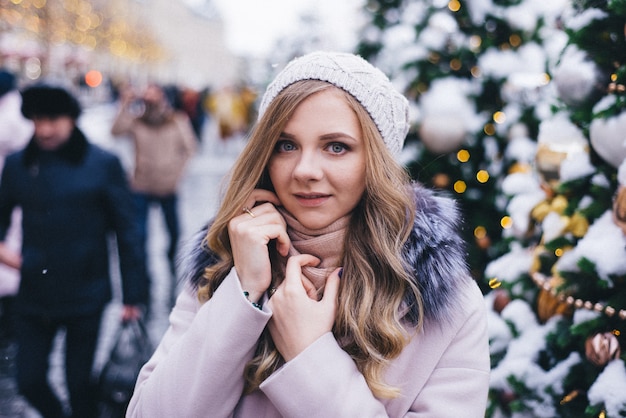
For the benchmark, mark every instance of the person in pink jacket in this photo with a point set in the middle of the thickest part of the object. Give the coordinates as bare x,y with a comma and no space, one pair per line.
328,284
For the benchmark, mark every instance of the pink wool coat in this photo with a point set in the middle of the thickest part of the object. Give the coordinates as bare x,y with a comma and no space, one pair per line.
197,370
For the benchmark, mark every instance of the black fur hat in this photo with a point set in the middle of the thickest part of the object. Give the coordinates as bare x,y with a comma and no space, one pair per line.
46,100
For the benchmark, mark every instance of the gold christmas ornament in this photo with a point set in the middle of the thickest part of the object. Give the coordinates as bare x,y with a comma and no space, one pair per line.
559,204
549,303
558,140
602,348
550,157
556,203
578,225
545,284
520,168
540,211
548,162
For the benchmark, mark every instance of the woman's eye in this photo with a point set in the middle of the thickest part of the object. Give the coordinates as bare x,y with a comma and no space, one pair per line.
337,148
284,146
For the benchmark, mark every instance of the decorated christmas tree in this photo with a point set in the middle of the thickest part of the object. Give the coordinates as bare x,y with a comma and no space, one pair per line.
558,313
476,73
518,112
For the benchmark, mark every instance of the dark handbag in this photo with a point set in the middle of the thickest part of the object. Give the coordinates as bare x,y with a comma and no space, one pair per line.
116,383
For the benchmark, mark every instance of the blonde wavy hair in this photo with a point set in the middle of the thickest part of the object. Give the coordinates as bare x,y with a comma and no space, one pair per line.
375,282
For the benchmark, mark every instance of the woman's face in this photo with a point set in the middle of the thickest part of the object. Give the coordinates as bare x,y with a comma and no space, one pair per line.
318,166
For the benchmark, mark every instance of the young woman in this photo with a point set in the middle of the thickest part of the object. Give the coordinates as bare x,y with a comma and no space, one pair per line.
328,284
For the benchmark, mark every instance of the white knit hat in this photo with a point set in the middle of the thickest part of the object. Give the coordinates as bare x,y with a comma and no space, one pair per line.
388,108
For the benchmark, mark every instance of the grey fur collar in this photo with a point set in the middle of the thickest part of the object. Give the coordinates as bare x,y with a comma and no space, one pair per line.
434,251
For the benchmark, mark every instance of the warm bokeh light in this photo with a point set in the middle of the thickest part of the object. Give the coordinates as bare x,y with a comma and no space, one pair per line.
463,155
454,5
475,42
455,64
515,40
482,176
460,186
506,222
93,78
480,232
499,117
441,180
112,27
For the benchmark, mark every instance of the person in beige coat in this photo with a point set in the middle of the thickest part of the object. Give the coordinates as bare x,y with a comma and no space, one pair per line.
164,142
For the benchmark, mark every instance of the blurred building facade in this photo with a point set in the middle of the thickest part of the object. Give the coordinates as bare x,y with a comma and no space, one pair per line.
138,40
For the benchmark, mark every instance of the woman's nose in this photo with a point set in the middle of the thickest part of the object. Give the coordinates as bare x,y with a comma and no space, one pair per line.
308,167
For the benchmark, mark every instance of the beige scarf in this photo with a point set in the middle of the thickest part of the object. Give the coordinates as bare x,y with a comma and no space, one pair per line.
325,244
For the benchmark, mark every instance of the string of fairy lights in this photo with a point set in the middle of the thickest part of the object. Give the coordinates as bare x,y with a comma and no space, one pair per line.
112,27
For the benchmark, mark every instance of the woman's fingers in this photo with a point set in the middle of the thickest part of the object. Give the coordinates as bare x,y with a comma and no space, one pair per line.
261,202
250,233
331,289
309,288
298,318
293,270
259,196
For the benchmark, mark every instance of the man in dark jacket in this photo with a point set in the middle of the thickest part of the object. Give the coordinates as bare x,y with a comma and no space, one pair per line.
74,197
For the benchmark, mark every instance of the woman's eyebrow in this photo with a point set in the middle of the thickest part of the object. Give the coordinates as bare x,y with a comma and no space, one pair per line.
325,137
287,135
337,135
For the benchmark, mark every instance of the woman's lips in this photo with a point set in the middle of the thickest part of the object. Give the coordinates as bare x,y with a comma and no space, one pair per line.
312,200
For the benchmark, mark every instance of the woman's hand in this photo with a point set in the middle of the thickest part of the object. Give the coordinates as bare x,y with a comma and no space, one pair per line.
250,233
298,318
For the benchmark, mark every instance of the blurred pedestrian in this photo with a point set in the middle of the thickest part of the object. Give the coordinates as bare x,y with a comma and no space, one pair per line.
74,197
231,107
15,131
164,142
191,103
329,284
